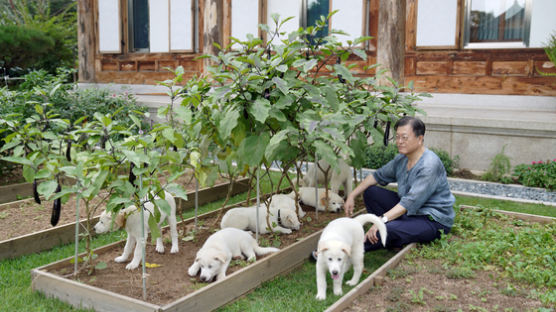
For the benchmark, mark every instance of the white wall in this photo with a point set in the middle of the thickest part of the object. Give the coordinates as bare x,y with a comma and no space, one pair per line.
543,22
349,19
181,24
109,26
159,37
436,22
245,18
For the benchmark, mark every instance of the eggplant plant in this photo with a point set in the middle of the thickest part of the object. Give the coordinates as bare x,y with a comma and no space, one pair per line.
294,96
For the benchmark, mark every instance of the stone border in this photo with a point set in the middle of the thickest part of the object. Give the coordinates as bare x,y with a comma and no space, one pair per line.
64,234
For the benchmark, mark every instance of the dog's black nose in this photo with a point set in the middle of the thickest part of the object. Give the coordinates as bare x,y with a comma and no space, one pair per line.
334,272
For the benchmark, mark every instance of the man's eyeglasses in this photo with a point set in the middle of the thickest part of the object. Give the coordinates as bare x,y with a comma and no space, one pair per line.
402,138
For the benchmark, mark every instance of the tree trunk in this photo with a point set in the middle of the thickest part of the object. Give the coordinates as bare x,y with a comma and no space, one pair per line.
213,14
391,39
85,41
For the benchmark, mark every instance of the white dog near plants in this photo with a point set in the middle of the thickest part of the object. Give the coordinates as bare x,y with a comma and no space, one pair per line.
344,177
245,218
218,250
340,245
130,219
285,202
307,197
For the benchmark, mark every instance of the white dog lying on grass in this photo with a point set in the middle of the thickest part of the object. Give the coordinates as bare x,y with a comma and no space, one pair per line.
307,197
340,245
281,221
335,178
130,219
218,250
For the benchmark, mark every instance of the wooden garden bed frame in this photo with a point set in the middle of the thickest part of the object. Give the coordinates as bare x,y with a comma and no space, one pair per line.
377,277
64,234
205,299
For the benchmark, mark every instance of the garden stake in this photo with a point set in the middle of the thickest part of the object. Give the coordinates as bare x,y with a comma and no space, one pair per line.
76,234
258,205
316,188
143,243
196,201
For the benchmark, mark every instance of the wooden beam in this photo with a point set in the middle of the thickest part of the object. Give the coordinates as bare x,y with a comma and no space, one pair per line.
391,39
86,40
213,15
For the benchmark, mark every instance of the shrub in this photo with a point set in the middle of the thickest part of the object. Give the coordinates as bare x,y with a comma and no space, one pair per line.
23,46
448,162
537,174
499,168
379,155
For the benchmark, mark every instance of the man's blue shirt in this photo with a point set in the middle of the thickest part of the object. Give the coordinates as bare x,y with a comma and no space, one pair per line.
423,189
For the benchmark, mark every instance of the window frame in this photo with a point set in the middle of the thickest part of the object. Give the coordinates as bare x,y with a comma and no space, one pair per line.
130,25
496,45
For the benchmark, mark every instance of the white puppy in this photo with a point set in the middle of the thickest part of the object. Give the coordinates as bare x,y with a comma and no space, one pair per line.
130,219
335,178
219,249
282,221
285,202
340,245
307,197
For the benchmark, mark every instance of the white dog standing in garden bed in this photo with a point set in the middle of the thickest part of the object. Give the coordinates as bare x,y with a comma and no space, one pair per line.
281,220
335,178
340,245
130,219
285,202
307,197
218,250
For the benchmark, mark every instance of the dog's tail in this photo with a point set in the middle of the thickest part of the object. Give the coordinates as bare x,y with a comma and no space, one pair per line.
371,218
261,251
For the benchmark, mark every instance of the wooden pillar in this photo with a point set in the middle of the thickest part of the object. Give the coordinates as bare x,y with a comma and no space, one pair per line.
86,40
391,39
213,15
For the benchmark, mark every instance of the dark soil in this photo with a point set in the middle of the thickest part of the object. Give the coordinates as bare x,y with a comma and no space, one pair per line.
464,174
424,285
170,280
37,217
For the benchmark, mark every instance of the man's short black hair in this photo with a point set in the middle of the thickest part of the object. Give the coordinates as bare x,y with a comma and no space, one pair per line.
417,125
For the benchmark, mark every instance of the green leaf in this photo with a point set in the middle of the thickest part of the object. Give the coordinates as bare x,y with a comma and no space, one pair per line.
275,141
228,123
28,174
163,205
309,65
18,160
259,109
47,188
281,84
252,149
362,54
283,102
177,190
153,226
101,265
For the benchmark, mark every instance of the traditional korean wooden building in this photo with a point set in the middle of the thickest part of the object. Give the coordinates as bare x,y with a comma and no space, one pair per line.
480,59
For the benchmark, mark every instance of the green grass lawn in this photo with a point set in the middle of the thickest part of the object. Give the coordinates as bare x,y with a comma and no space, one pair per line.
15,279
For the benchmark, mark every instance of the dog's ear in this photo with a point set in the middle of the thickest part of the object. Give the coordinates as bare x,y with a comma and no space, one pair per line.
220,257
120,220
347,250
323,200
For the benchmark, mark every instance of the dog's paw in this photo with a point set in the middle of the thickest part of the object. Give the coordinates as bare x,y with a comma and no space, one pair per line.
321,296
192,271
132,266
338,292
286,231
120,259
351,283
174,249
159,248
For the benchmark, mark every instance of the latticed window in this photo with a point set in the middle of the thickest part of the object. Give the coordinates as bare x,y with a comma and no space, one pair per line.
497,21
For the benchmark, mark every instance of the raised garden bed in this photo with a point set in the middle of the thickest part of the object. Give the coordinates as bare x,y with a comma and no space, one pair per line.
169,288
37,234
390,292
